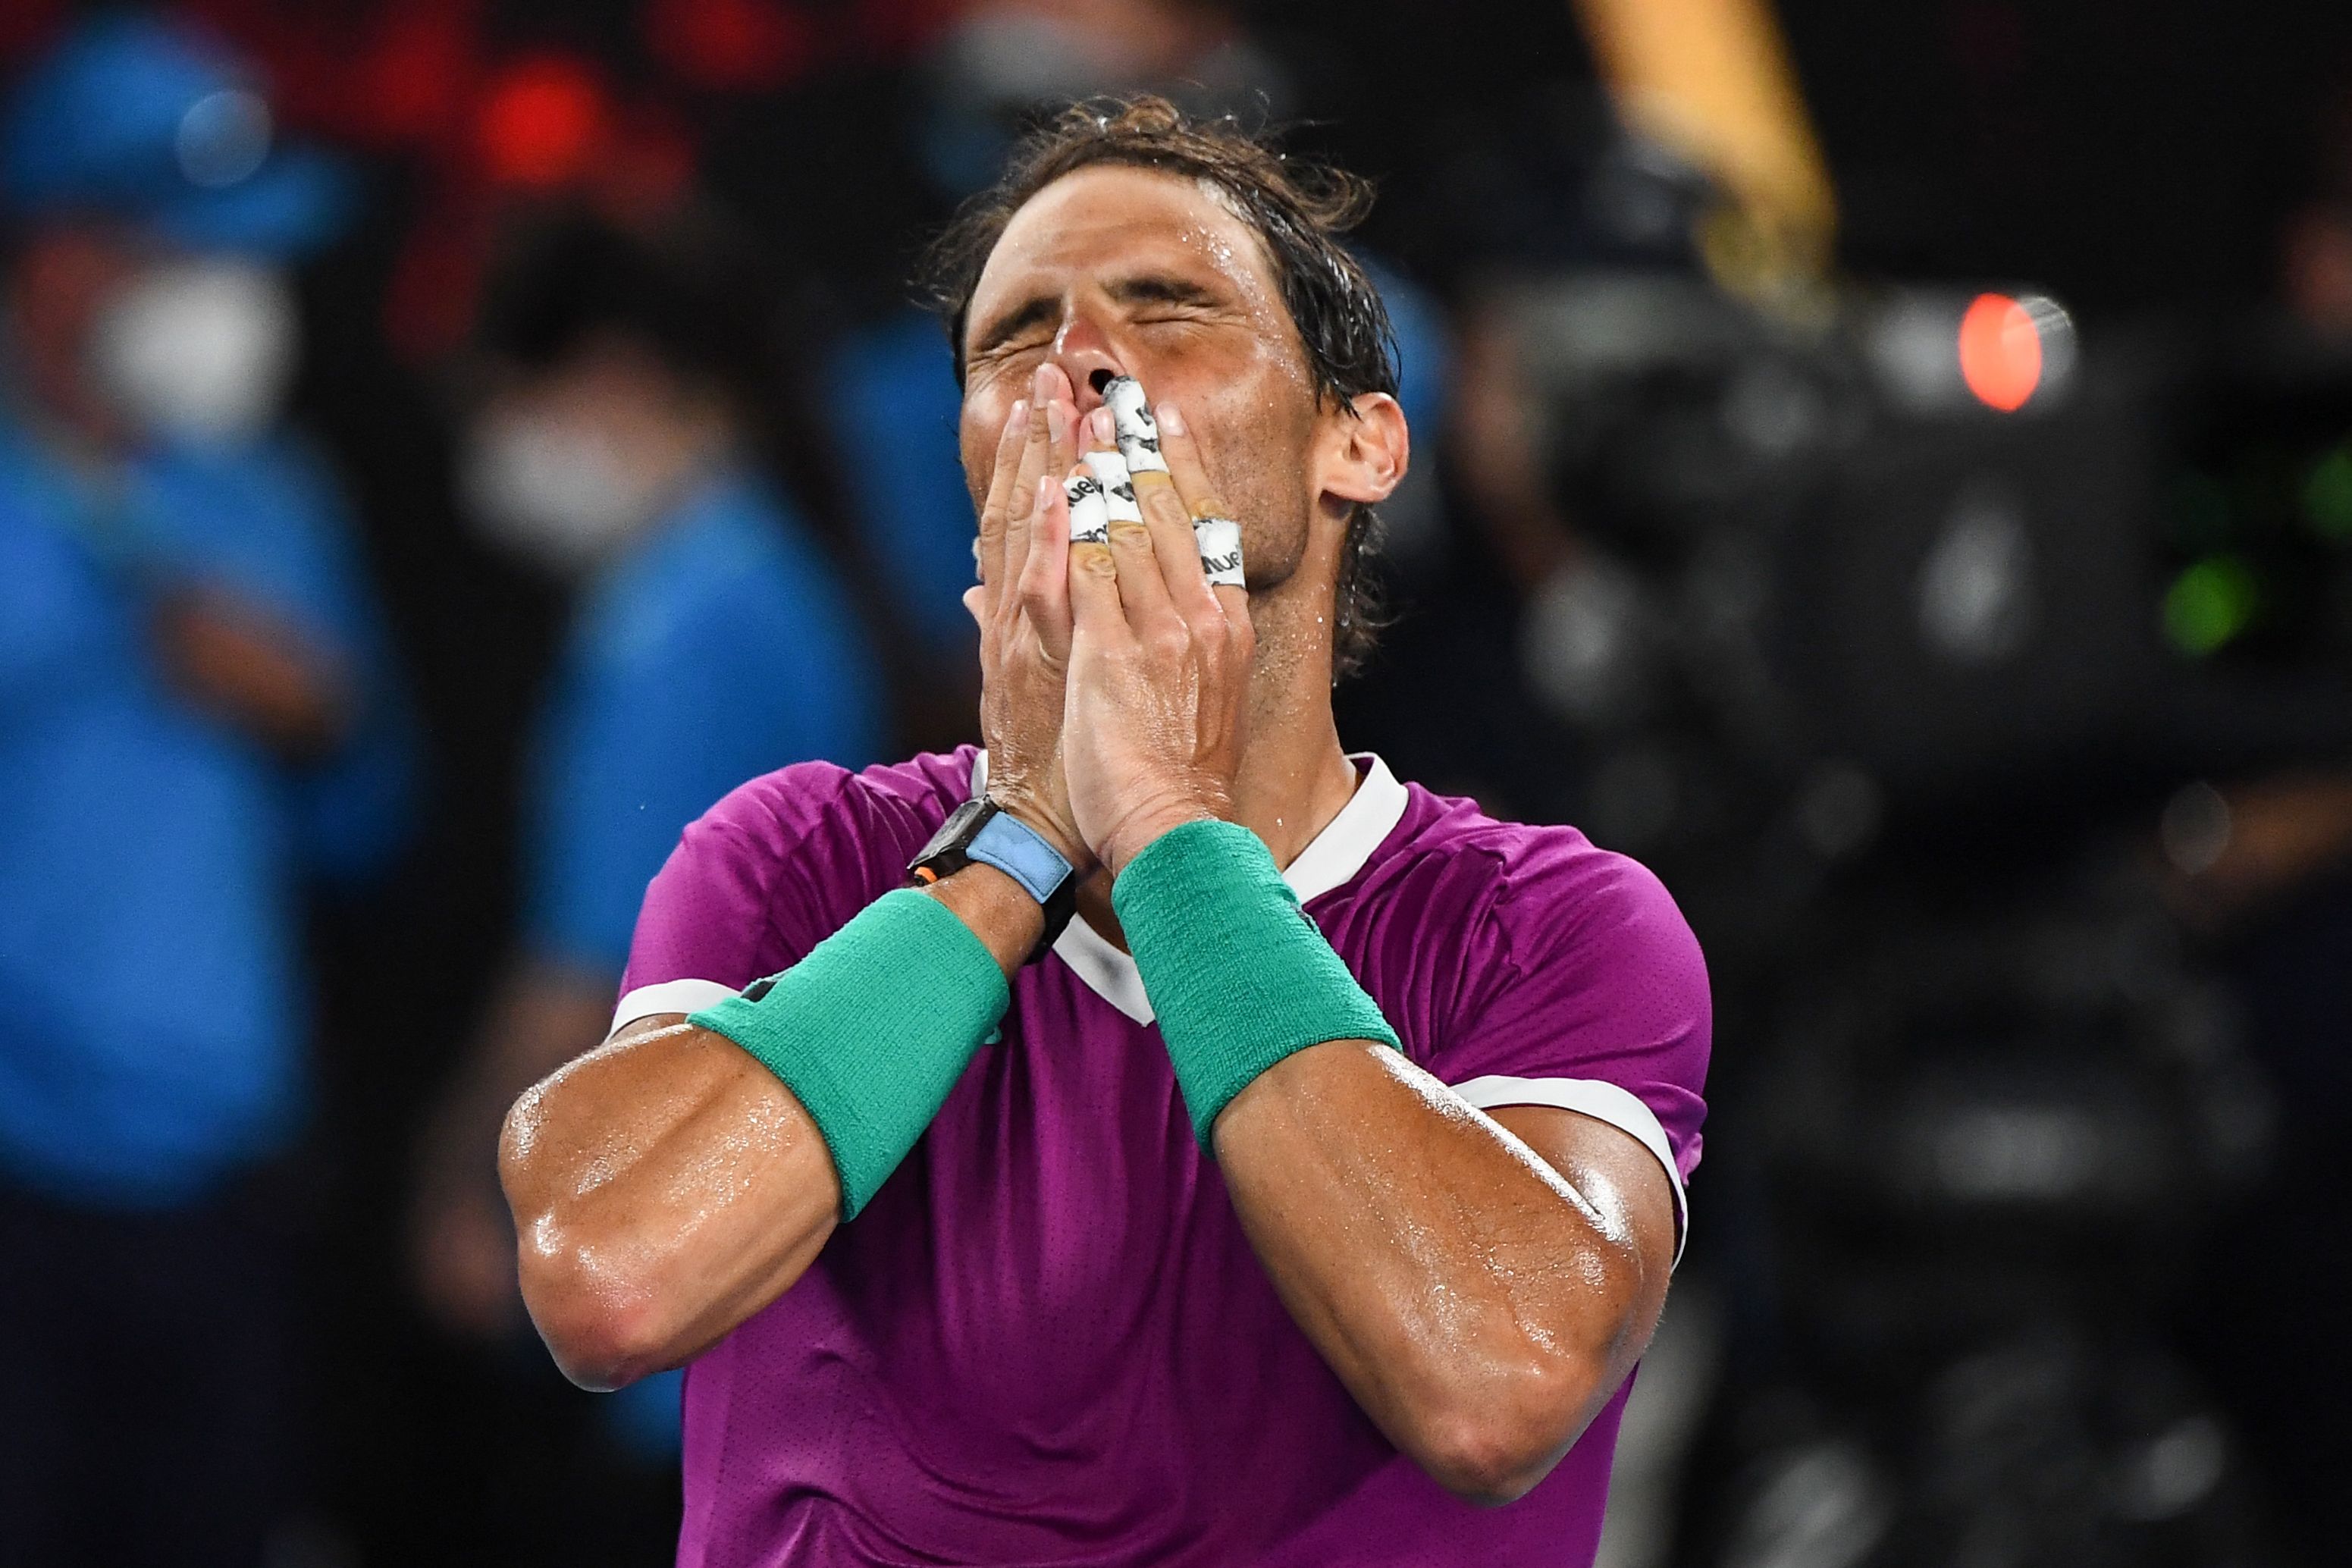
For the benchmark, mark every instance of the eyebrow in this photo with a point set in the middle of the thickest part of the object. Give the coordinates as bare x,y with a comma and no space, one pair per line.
1161,288
1144,289
1035,310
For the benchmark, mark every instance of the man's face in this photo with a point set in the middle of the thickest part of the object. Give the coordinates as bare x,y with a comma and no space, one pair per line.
1135,272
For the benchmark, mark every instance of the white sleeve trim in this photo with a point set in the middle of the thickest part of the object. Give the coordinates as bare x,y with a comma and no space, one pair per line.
669,996
1603,1102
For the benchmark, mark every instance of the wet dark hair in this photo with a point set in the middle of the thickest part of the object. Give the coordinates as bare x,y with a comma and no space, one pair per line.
1299,208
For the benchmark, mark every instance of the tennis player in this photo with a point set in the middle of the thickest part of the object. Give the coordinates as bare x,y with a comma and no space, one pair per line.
1161,1137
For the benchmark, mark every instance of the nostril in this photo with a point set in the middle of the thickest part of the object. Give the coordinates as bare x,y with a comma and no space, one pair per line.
1099,380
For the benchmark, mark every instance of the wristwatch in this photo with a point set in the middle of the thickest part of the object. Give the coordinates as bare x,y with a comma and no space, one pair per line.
983,831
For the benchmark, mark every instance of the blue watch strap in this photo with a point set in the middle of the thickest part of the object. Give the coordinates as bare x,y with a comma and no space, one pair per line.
1018,850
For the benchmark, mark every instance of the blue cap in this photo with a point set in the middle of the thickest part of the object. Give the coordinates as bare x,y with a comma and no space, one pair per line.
152,124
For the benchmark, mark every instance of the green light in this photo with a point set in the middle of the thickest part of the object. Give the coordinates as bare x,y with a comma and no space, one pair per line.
2327,497
2208,604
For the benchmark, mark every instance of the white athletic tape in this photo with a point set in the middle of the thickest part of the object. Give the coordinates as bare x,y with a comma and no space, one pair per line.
1139,433
1118,491
1105,493
1089,517
1220,541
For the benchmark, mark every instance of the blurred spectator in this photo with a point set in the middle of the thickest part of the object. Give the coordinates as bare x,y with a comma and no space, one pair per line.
195,711
612,441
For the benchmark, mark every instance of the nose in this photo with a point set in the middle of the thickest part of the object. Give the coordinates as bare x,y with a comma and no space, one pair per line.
1087,357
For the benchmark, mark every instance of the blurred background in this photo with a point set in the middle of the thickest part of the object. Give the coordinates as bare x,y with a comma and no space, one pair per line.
1889,468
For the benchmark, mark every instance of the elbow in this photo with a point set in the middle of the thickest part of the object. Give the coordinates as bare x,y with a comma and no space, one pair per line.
603,1327
1491,1444
589,1287
1494,1423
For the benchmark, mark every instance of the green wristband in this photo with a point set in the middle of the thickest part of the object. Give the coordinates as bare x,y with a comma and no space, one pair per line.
1238,976
872,1029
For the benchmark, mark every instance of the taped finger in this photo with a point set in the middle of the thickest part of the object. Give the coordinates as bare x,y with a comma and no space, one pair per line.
1110,471
1219,535
1138,446
1171,526
1089,510
1137,432
1220,542
1142,584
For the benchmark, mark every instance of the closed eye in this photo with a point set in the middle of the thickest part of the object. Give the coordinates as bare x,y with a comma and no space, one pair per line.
1033,317
1159,297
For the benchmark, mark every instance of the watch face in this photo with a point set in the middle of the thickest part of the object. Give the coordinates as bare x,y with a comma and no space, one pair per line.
954,831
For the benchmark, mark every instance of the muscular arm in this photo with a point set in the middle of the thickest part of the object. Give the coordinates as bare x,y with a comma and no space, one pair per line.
1482,1286
666,1186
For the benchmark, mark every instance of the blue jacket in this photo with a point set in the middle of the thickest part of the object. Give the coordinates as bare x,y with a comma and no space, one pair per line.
151,1004
720,647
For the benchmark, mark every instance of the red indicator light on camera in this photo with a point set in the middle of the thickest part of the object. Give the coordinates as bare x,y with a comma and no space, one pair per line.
2000,352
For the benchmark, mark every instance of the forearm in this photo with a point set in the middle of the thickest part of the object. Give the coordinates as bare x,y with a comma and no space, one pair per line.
668,1184
1478,1304
663,1187
1480,1307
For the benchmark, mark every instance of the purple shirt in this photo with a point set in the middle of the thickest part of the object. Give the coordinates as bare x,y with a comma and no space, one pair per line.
1046,1339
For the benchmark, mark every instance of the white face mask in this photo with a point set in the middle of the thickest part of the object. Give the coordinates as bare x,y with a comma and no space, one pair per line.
199,350
551,492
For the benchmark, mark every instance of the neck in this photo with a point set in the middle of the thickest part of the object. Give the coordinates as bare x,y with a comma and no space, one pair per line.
1294,776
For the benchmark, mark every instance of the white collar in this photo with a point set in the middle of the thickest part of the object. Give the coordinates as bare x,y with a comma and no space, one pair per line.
1331,860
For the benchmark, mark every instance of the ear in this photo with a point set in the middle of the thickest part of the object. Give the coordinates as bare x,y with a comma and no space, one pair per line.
1364,453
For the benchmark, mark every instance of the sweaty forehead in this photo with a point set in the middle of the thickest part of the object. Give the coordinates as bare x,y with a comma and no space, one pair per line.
1110,219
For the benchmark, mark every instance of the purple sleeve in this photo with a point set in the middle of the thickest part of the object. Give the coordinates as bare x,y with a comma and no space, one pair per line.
1588,973
772,870
706,912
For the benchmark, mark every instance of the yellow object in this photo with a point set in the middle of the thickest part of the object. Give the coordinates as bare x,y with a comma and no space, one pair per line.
1710,80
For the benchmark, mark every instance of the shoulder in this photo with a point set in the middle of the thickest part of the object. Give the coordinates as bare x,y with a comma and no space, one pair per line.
1553,884
1527,958
792,803
782,862
1519,903
819,810
1520,876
